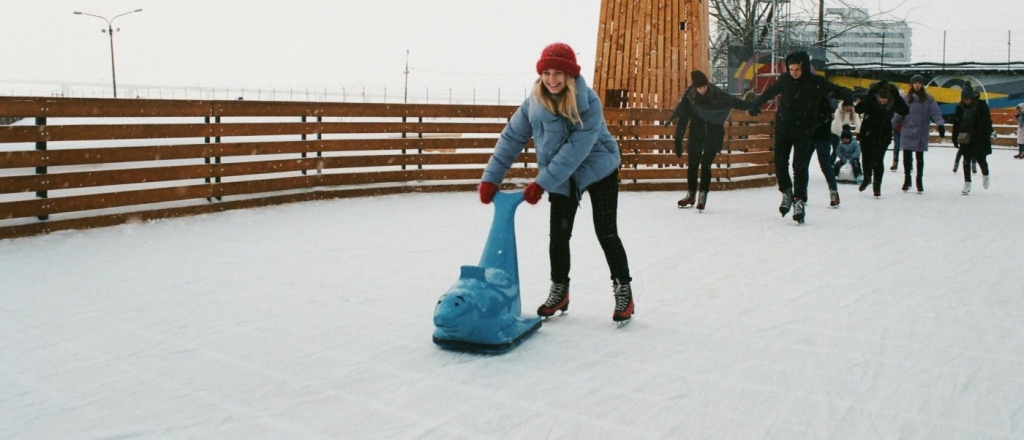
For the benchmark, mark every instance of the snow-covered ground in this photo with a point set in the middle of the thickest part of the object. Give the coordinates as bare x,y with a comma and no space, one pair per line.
892,318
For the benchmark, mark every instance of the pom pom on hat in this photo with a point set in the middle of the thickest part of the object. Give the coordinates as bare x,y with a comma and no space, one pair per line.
558,56
698,78
846,134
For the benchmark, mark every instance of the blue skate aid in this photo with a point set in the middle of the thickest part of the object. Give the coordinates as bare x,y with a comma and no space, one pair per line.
482,312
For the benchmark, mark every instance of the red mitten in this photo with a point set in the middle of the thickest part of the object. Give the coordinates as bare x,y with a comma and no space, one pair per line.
487,191
532,193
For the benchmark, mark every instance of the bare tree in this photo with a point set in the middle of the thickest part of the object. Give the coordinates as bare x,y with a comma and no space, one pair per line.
747,23
740,23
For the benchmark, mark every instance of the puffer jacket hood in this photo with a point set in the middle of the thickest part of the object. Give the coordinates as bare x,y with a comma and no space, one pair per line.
804,60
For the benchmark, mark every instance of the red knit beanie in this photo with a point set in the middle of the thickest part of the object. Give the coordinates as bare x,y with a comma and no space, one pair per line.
558,56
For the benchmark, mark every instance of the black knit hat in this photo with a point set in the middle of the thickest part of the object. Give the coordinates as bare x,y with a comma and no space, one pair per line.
698,78
846,134
968,92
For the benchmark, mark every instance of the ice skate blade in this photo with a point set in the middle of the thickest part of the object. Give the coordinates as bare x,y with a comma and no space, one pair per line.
623,323
557,314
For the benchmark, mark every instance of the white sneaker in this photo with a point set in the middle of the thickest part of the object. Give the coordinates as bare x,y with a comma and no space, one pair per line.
967,188
984,182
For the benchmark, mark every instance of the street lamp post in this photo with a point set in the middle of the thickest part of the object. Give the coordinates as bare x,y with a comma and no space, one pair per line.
110,32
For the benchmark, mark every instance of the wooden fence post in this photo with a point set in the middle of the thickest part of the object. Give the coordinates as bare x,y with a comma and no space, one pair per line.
41,146
206,160
303,137
319,137
216,140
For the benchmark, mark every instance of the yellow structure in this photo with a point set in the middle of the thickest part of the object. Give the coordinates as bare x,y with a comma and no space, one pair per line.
646,50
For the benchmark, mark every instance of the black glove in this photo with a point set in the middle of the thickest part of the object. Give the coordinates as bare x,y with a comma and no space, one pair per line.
667,122
679,146
754,110
942,131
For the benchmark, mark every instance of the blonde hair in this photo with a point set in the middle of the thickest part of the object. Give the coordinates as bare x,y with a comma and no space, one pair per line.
566,106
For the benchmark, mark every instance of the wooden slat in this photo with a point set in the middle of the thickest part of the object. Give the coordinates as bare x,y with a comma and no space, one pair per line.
88,156
31,107
53,133
73,180
37,207
672,160
751,170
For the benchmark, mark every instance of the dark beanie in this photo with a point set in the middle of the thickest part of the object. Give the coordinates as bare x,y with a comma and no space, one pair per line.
698,78
916,79
967,92
846,134
883,93
558,56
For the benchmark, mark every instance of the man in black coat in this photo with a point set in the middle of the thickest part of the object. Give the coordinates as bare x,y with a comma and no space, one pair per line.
795,121
877,109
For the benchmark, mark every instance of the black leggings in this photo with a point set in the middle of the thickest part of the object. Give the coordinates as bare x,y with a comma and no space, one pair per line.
982,163
908,162
872,153
697,157
604,195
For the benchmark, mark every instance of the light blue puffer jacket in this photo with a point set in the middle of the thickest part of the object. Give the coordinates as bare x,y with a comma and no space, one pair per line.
586,153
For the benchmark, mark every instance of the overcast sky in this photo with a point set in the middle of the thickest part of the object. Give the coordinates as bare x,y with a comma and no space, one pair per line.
308,43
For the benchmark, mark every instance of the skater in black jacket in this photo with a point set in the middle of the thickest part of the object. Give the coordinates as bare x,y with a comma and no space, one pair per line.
972,134
877,109
704,108
797,117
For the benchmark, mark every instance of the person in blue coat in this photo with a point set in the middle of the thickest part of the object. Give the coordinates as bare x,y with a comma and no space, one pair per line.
914,136
820,139
848,152
575,154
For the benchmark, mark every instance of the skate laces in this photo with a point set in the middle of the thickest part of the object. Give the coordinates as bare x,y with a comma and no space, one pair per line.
702,198
787,199
556,295
833,194
623,296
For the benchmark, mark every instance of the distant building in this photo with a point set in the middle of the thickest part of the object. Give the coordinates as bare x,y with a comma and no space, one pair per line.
852,37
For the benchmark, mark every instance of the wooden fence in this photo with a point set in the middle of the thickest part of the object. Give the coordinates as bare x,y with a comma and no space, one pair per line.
75,163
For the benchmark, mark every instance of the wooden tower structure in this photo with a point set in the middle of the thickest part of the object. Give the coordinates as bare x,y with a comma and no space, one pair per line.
646,50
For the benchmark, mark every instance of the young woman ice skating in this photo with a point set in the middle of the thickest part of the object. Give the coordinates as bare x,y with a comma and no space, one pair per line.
972,134
916,127
575,154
